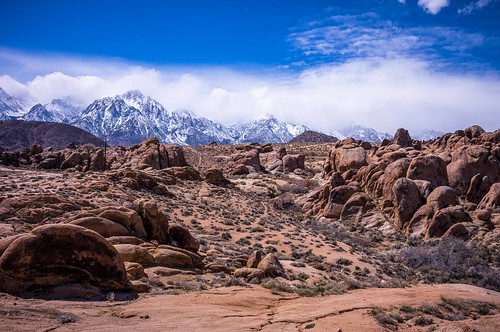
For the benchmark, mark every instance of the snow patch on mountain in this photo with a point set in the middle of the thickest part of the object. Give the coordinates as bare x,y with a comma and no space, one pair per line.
63,110
427,135
360,132
12,107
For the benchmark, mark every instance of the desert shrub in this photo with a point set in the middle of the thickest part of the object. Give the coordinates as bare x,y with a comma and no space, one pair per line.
276,285
331,288
189,286
343,261
406,308
453,260
431,309
243,242
423,321
382,317
230,281
338,232
153,282
461,308
484,308
67,317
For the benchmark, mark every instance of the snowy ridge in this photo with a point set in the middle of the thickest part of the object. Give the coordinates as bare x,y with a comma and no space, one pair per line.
267,129
12,107
63,110
132,117
360,132
427,135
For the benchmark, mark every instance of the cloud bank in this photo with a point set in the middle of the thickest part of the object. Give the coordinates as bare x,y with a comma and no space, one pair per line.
381,93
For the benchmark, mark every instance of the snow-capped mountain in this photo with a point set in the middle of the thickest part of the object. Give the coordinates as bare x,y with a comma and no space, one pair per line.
360,132
427,135
132,117
13,107
190,129
267,129
63,110
117,121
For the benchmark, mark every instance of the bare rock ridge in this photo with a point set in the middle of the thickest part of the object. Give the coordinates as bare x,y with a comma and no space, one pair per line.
310,136
20,135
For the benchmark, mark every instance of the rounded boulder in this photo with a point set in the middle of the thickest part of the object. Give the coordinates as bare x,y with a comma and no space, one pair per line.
52,255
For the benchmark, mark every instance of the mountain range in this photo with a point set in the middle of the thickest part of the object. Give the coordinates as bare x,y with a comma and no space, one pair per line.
131,117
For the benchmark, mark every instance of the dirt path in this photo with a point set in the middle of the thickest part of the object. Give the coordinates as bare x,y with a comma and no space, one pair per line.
235,309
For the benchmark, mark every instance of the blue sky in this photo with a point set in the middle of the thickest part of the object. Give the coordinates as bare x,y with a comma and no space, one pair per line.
250,32
341,58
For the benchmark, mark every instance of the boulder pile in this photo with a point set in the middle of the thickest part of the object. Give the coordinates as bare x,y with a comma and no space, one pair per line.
148,154
446,187
105,247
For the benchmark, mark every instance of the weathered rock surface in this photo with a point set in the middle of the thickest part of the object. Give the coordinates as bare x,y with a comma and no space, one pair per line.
134,253
216,177
271,266
402,138
182,238
407,201
154,220
424,189
173,257
52,255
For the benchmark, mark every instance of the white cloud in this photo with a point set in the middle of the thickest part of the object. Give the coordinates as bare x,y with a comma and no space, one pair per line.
402,1
473,6
433,6
381,93
368,35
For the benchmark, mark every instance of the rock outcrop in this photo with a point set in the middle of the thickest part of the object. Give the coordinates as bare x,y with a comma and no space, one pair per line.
428,189
52,255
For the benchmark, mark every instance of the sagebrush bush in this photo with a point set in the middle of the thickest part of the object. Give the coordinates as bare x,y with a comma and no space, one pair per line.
453,260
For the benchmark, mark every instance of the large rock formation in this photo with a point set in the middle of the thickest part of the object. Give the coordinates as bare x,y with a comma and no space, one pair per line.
428,189
52,255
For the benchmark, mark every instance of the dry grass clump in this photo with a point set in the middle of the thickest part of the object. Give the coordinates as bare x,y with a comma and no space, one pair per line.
449,309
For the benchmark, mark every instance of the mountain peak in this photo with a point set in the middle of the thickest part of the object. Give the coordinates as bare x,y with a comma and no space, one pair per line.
133,94
3,93
12,107
267,116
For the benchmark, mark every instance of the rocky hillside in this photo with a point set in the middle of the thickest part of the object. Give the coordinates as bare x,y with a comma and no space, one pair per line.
447,188
20,135
310,136
287,222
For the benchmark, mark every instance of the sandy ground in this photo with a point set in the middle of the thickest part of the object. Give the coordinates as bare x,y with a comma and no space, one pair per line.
239,309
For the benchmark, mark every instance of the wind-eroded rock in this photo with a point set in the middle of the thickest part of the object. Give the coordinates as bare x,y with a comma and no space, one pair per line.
407,201
425,189
154,220
182,238
271,266
52,255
